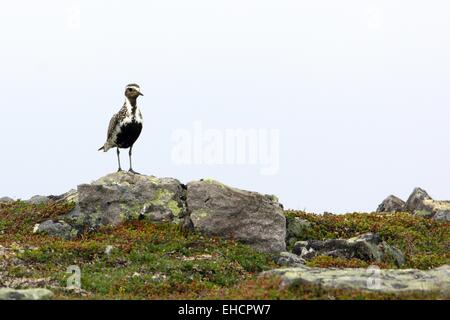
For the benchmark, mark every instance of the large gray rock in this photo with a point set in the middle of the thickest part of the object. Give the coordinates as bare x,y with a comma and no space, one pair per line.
116,198
25,294
249,217
371,279
392,204
123,196
368,247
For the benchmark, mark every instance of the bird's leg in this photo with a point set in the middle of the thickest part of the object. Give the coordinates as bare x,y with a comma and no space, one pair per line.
118,160
131,167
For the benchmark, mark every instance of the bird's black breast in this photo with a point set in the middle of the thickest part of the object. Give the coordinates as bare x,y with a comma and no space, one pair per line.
128,134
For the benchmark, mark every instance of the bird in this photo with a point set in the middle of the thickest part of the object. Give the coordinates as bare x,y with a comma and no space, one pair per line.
126,125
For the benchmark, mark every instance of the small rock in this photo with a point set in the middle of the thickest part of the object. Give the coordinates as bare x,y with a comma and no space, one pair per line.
6,200
392,204
442,216
57,229
25,294
289,259
38,200
108,250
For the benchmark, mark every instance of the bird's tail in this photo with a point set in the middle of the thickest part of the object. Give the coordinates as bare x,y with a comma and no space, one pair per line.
102,148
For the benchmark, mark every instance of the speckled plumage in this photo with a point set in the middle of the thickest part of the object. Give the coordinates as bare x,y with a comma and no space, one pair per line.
126,125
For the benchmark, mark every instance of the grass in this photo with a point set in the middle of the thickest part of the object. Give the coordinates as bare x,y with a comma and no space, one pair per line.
140,260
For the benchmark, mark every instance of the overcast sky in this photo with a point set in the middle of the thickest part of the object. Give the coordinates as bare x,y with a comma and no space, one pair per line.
355,92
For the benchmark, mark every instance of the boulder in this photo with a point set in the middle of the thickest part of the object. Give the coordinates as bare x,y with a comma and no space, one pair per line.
392,204
368,247
370,279
124,196
25,294
417,200
116,198
252,218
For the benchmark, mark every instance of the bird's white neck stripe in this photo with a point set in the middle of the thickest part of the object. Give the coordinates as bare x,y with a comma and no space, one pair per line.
129,106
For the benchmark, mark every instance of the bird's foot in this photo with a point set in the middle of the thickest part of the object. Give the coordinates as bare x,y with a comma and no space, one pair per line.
132,171
119,170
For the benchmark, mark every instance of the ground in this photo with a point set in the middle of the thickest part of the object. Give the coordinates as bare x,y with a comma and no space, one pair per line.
140,260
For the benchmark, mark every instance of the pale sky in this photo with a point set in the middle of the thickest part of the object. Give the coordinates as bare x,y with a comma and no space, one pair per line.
357,90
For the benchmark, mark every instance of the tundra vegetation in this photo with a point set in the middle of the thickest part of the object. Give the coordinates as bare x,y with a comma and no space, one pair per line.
143,260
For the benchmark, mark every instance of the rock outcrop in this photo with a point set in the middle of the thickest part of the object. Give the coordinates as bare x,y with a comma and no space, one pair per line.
392,204
371,279
206,206
25,294
419,203
368,247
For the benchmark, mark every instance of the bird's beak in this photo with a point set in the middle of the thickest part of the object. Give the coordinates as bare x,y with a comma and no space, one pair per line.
141,94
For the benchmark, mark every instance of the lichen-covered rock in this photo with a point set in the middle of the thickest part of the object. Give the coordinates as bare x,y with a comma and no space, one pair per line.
417,200
420,203
392,204
123,196
25,294
288,259
371,279
368,247
230,213
116,198
59,229
443,215
296,228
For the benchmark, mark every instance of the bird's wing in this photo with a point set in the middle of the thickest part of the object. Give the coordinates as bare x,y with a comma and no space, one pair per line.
112,125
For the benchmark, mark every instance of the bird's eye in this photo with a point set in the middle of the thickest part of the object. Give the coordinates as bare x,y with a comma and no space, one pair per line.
130,89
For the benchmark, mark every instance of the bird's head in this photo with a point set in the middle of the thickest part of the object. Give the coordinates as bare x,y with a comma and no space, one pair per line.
132,91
